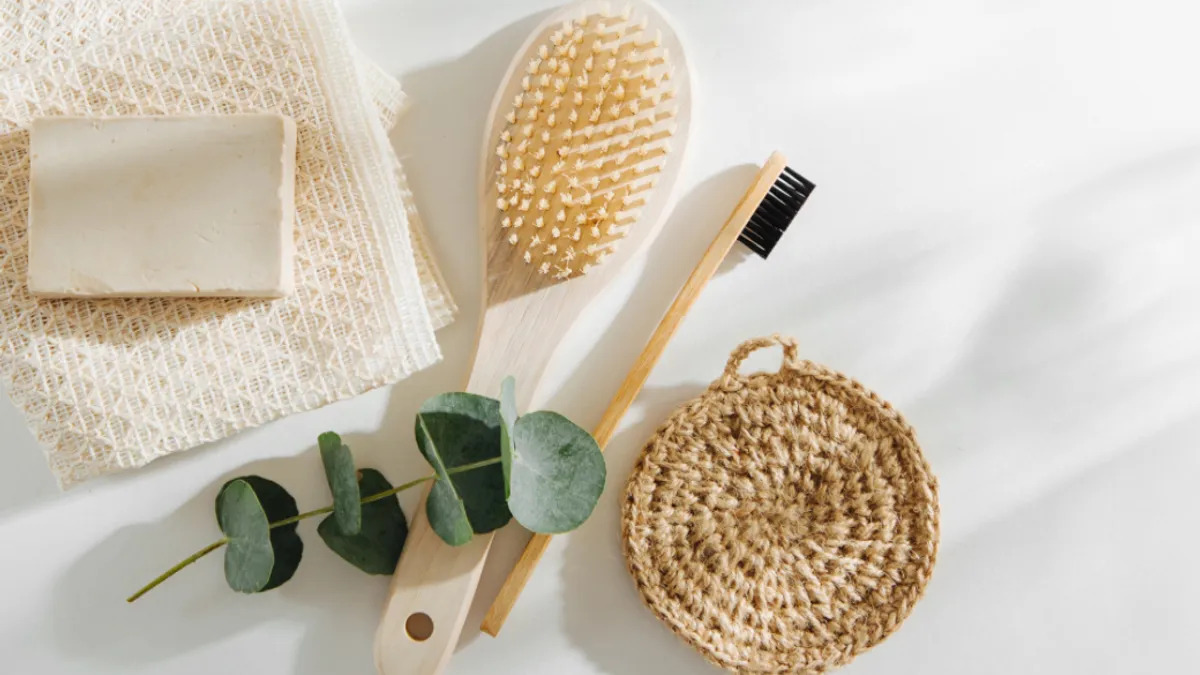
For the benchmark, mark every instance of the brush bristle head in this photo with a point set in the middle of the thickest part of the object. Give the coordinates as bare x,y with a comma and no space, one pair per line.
584,140
776,212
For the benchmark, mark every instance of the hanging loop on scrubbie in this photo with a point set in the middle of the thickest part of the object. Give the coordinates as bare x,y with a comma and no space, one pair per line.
791,353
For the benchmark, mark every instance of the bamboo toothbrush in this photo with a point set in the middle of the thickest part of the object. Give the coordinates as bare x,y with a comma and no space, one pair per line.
577,160
760,219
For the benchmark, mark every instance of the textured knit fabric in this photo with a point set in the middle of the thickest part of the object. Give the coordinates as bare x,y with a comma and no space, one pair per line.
113,384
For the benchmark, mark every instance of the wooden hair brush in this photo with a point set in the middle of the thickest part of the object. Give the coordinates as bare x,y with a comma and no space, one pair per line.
582,149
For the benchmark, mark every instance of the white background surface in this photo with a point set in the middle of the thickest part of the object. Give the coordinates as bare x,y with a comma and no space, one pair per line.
1003,243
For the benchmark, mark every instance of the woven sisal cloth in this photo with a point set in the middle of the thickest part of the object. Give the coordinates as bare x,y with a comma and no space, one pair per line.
113,384
782,522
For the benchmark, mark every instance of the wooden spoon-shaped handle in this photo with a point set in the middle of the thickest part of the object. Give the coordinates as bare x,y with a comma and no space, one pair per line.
434,582
528,314
428,601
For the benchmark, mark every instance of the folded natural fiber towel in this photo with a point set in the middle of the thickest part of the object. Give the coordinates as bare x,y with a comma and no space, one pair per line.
35,29
107,385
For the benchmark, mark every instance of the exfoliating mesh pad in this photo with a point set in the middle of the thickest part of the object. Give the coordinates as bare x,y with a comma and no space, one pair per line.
111,385
782,522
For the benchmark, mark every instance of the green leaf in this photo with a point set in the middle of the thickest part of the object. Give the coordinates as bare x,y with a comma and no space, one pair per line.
248,558
343,481
508,417
258,557
446,511
376,547
285,541
454,430
558,473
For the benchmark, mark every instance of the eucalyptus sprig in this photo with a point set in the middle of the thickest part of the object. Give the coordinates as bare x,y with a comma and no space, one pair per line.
490,465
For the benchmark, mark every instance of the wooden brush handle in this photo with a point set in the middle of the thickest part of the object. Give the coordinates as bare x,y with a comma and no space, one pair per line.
434,583
637,376
529,309
428,603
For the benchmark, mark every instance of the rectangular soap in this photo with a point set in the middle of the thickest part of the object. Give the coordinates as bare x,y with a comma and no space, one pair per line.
162,206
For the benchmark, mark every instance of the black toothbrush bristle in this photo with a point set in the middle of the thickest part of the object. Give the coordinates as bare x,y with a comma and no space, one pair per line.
776,212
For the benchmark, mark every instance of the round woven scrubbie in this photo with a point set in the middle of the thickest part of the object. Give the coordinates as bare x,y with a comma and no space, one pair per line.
782,522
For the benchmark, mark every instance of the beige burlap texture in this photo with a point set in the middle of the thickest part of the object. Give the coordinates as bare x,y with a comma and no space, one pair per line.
782,522
110,385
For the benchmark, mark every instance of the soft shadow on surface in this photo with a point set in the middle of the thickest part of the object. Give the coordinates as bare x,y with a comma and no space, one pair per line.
605,617
671,257
1056,550
1021,337
1084,336
93,623
26,478
438,139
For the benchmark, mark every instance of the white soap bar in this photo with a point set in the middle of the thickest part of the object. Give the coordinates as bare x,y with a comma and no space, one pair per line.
162,206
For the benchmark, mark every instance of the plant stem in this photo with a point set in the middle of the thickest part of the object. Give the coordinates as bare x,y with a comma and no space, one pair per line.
300,517
399,488
475,465
171,572
307,514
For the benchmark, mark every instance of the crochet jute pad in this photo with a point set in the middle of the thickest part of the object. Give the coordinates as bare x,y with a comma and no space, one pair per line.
108,385
782,522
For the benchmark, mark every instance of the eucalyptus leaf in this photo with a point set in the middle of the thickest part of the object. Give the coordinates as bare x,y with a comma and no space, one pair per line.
508,417
258,557
285,541
376,547
343,482
454,430
558,473
248,557
445,510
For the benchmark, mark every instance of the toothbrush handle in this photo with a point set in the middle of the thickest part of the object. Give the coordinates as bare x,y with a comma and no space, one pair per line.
638,375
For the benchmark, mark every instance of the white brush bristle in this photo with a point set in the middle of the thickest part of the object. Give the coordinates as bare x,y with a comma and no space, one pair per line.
602,83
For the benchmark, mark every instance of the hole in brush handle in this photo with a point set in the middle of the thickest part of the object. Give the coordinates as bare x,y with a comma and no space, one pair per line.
419,627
